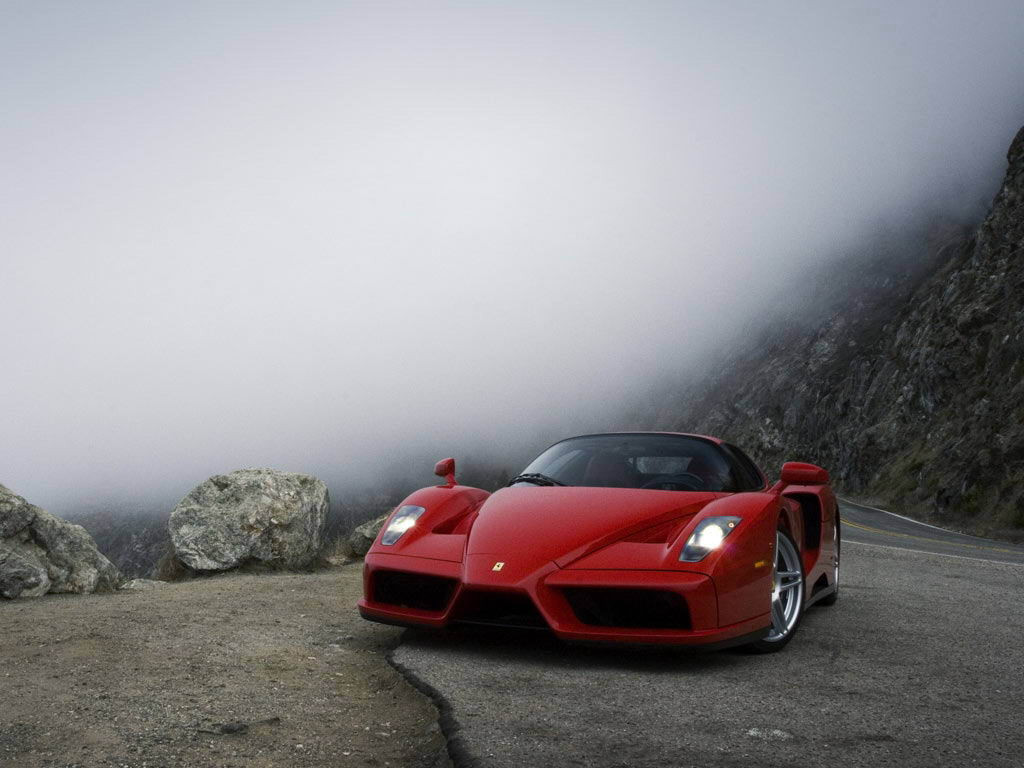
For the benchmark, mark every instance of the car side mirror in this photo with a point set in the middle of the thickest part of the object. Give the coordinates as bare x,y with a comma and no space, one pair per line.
799,473
446,468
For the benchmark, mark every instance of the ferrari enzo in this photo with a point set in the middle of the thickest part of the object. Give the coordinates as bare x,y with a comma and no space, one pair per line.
660,538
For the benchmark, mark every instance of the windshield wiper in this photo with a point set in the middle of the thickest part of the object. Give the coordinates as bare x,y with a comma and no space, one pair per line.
534,477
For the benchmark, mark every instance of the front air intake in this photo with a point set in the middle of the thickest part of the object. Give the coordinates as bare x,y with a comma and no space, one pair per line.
628,608
500,609
412,590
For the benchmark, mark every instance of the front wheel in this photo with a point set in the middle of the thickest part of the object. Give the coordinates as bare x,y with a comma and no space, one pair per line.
787,596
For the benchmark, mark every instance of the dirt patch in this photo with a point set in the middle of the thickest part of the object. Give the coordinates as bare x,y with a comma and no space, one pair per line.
233,671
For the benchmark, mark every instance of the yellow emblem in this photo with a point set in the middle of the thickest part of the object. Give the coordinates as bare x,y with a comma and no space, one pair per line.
498,566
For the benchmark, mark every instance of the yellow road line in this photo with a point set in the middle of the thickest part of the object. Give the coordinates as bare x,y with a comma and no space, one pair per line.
937,554
847,521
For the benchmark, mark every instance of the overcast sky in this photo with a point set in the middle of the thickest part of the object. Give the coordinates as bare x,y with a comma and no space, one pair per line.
312,235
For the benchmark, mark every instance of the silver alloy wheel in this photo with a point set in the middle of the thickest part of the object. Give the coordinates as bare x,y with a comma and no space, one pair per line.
788,592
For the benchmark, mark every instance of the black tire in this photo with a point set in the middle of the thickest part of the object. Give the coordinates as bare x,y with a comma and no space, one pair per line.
833,596
777,643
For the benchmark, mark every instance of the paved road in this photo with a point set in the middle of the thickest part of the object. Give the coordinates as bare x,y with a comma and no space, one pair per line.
921,663
876,527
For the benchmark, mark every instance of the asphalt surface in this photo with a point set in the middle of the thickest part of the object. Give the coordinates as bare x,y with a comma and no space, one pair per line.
920,663
876,527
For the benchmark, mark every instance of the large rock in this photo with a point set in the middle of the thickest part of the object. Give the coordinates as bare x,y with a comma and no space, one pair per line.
252,515
363,536
40,553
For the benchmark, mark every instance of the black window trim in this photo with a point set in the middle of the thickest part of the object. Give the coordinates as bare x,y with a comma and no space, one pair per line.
746,465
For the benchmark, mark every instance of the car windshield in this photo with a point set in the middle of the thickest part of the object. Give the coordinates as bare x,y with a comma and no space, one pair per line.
651,461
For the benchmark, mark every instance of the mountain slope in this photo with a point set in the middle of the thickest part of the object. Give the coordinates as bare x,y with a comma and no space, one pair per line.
906,381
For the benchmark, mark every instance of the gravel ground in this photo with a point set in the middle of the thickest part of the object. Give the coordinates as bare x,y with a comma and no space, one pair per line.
154,678
919,664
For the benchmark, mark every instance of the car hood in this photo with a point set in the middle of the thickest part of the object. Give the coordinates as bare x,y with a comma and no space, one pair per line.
561,524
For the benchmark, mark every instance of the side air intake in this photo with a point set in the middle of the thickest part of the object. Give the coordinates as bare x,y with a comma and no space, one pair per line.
628,608
413,590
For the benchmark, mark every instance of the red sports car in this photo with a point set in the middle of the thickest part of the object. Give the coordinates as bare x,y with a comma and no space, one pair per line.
626,537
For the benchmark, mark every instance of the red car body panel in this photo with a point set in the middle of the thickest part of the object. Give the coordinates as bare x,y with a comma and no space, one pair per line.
546,549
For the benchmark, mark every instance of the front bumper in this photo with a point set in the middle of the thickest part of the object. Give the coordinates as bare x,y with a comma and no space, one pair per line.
605,606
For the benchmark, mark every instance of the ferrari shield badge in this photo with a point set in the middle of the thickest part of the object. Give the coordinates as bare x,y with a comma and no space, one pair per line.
498,566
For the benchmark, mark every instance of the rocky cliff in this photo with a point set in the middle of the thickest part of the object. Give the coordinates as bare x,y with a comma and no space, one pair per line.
902,376
134,541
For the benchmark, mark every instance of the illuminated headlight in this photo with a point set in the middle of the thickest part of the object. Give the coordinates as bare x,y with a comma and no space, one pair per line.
403,519
707,537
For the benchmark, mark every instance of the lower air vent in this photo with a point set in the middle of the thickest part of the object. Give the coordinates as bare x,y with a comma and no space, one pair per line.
412,590
503,609
628,608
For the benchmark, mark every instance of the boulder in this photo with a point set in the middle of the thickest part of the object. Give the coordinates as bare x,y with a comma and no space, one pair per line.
250,516
22,570
40,553
363,536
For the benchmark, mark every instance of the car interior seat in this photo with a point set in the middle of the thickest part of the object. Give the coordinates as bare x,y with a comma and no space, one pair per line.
609,470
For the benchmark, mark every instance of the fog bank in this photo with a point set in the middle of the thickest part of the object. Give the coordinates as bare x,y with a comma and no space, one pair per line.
338,237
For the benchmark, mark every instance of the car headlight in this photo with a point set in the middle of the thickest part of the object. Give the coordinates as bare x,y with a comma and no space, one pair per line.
403,519
707,537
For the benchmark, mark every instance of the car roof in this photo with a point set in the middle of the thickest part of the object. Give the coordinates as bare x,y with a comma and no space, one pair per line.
709,438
